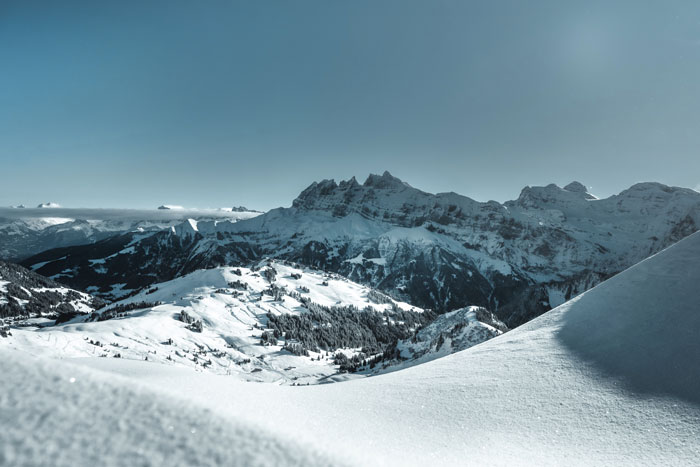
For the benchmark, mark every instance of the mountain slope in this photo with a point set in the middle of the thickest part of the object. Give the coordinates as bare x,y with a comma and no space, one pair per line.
25,295
451,332
577,386
442,251
275,322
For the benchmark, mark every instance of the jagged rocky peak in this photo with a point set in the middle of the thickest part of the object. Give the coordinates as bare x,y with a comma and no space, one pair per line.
186,229
243,209
48,205
349,184
307,198
533,196
580,188
387,198
552,194
385,181
576,187
320,195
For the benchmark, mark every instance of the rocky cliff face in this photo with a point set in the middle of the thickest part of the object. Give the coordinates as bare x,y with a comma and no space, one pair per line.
442,251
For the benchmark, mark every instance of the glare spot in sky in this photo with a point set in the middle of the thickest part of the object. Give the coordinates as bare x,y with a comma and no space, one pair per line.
587,46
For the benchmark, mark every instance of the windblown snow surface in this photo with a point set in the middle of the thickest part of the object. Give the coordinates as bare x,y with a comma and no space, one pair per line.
57,414
609,378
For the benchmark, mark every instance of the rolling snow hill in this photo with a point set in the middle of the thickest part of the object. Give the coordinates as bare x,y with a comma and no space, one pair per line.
218,320
440,251
605,379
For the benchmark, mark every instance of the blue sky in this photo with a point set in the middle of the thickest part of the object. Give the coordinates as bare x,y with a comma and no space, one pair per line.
220,103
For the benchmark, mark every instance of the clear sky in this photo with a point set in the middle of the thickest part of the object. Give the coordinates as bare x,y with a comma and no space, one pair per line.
221,103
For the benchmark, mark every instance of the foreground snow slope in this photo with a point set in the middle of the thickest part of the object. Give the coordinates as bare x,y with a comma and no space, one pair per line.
61,415
607,379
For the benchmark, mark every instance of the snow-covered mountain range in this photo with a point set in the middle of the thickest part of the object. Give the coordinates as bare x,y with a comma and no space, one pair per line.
25,232
440,251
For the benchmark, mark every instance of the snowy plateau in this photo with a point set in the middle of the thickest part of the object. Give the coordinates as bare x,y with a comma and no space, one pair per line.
367,324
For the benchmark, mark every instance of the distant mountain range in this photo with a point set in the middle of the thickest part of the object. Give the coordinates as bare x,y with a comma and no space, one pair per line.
439,251
27,231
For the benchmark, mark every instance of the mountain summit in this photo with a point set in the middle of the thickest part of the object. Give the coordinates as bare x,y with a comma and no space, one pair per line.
383,197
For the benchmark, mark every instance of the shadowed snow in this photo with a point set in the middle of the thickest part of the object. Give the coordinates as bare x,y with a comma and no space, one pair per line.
649,338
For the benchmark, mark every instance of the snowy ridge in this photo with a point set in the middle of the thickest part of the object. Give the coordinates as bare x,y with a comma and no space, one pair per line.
232,306
449,333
